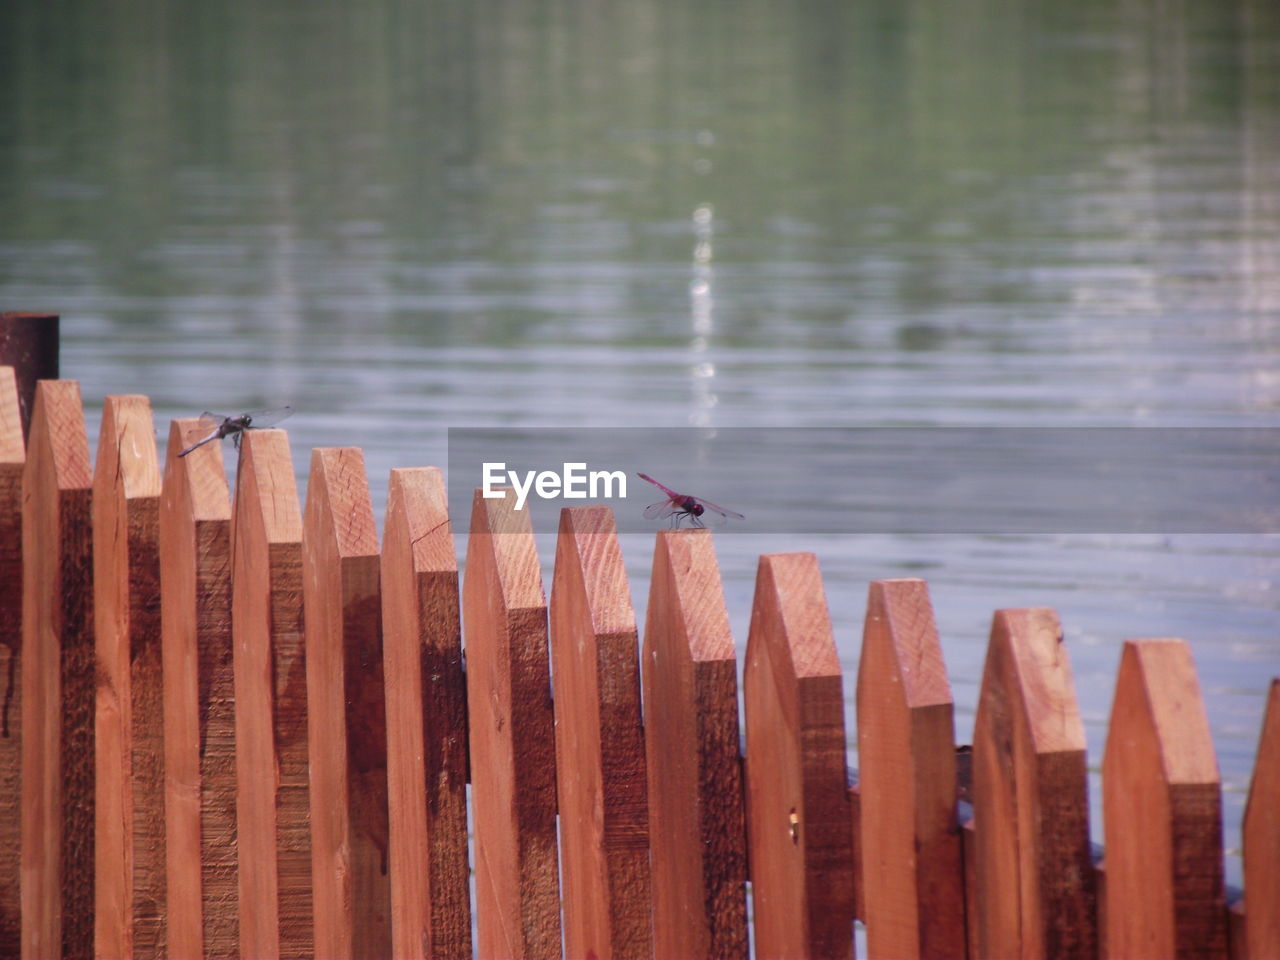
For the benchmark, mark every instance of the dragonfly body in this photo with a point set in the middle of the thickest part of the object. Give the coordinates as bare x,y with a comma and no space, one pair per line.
677,506
235,426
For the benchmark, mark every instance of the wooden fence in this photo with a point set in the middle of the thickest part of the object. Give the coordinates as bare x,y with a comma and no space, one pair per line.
237,727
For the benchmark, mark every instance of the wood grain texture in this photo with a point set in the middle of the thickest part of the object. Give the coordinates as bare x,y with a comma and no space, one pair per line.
57,680
346,711
910,840
1261,838
513,754
798,819
199,699
13,460
601,785
129,892
1034,893
426,722
697,825
272,815
1162,811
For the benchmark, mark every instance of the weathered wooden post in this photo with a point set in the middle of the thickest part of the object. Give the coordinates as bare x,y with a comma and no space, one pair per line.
129,892
1034,893
603,798
272,809
513,748
1261,838
199,699
426,722
57,680
909,841
798,819
697,825
13,461
1162,812
346,711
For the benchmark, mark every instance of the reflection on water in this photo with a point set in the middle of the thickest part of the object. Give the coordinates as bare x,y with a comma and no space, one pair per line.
402,217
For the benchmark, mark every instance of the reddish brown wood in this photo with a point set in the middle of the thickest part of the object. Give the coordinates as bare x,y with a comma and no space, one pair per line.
855,821
513,758
1162,811
29,344
1261,838
272,816
798,819
129,730
57,680
346,711
13,459
697,826
199,699
1033,871
426,722
604,815
970,847
906,756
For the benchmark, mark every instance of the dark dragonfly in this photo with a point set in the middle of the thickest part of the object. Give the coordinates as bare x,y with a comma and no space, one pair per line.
223,426
677,506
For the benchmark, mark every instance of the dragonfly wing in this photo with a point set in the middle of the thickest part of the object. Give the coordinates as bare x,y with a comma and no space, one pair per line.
267,418
661,509
714,513
661,486
211,419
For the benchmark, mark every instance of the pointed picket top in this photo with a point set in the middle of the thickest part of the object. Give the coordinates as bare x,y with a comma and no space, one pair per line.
13,459
57,679
907,779
697,824
1261,838
129,888
199,698
426,722
1162,811
602,794
1034,894
799,821
272,803
512,736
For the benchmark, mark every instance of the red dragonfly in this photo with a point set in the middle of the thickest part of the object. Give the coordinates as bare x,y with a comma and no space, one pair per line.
680,505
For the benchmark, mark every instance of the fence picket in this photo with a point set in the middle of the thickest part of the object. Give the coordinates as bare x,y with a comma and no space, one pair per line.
129,892
271,703
907,780
199,699
798,817
602,793
1033,872
697,825
346,710
513,750
426,722
1261,838
13,459
57,680
1162,811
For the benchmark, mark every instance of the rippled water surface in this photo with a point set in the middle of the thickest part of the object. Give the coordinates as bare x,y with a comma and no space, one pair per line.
402,218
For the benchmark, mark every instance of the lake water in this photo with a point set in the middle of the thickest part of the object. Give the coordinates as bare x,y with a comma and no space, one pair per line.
402,218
